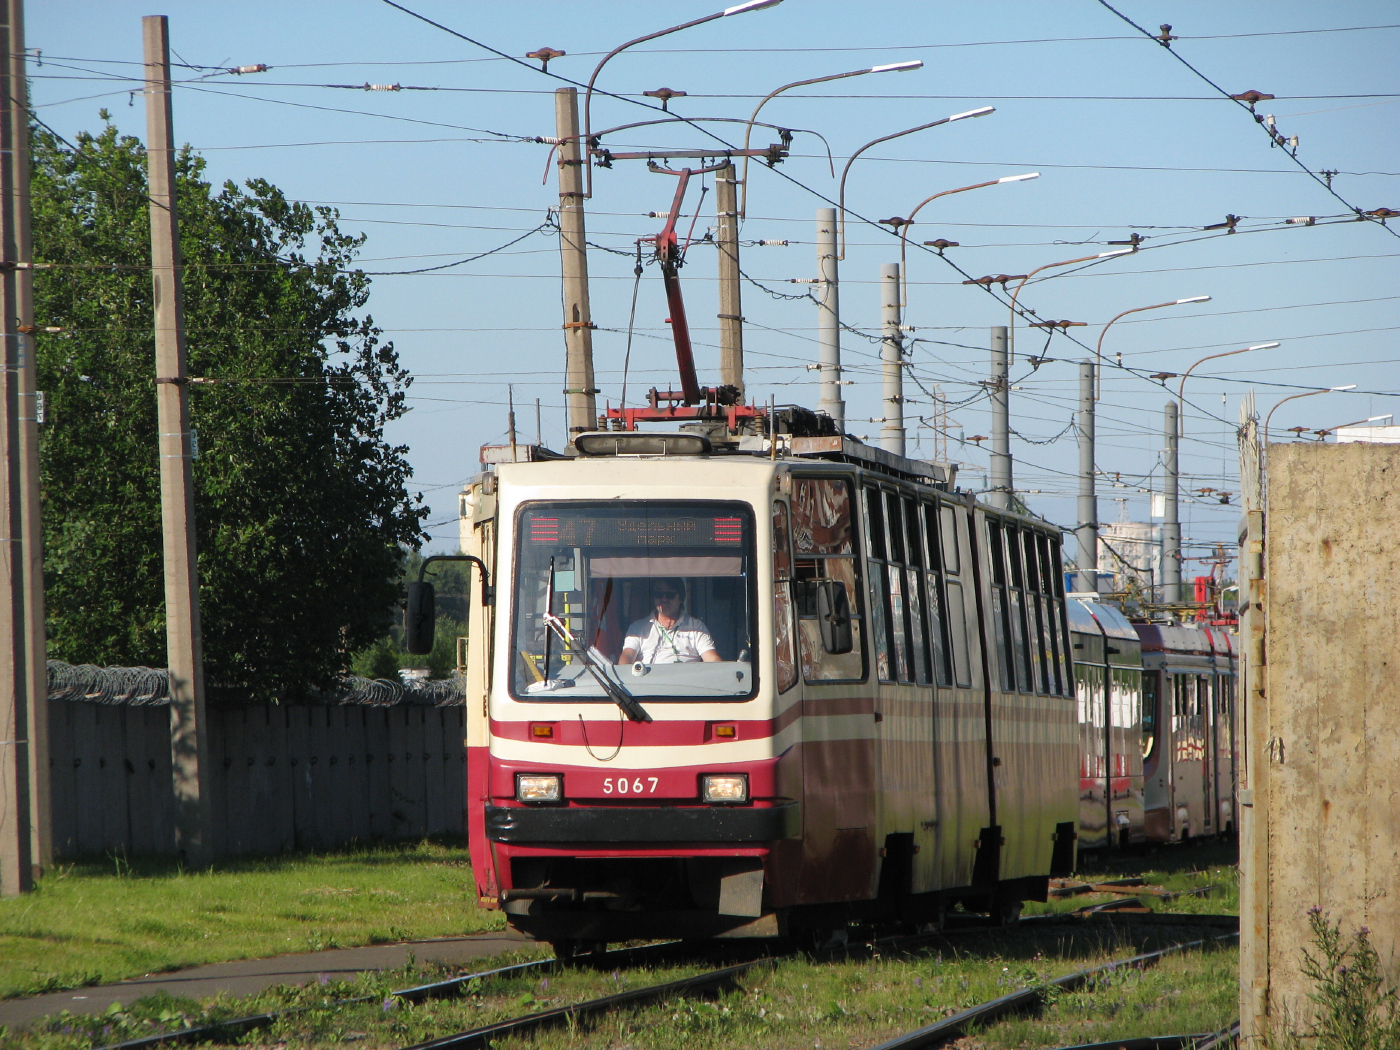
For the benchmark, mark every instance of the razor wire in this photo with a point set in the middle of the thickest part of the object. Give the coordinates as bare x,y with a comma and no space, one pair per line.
150,686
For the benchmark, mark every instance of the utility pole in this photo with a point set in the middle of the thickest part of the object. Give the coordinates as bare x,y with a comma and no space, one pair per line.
731,319
16,858
892,361
829,320
41,822
1001,423
1088,530
1171,514
189,747
573,259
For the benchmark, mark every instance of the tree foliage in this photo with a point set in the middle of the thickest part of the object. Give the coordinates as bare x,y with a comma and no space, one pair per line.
301,504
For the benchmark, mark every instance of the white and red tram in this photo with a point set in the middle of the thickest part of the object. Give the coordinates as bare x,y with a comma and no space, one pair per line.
1157,739
889,727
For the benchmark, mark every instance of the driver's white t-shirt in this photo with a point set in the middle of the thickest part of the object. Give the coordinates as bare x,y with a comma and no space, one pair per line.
683,643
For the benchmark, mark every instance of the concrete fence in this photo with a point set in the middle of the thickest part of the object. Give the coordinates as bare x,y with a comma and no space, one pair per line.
284,777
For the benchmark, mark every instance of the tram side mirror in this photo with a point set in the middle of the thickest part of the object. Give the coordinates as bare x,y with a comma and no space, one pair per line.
420,618
834,616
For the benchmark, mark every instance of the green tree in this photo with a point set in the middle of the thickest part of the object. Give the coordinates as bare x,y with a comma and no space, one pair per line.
301,504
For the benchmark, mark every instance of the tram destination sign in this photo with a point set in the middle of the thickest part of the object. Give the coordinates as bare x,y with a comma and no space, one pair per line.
663,531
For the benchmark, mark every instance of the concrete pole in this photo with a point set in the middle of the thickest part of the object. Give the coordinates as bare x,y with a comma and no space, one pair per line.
189,746
1171,515
1001,424
573,260
41,822
731,318
829,319
892,360
1088,530
16,858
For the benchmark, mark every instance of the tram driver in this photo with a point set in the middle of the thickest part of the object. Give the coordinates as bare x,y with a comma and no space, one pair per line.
670,635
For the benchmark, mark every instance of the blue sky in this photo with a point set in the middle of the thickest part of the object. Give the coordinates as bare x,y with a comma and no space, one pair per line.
1126,138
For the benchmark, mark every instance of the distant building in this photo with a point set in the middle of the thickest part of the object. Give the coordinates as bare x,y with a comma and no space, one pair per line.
1373,435
1130,551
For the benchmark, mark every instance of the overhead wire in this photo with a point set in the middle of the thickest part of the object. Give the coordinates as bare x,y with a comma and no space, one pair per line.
1249,107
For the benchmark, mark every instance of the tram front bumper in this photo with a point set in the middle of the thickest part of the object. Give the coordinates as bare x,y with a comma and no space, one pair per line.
617,824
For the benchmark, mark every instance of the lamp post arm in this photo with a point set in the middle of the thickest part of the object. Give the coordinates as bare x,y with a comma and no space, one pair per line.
588,93
1180,387
904,236
1271,412
1011,327
744,178
1294,397
1098,347
841,191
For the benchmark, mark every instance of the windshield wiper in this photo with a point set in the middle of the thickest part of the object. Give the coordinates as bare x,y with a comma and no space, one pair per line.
619,696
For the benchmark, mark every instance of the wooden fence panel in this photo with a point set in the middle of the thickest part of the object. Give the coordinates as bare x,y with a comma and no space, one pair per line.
281,777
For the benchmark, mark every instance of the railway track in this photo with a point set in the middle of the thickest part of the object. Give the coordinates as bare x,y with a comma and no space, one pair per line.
726,978
713,981
1030,998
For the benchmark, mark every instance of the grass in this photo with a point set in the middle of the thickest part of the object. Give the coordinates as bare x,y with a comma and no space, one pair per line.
1171,870
797,1003
104,921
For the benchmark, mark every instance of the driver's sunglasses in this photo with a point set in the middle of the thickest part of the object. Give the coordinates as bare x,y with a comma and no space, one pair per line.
665,595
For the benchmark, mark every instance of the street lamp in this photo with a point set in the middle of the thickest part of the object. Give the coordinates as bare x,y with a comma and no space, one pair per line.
1322,434
904,224
1098,349
1307,393
892,67
1011,328
737,9
1181,387
841,193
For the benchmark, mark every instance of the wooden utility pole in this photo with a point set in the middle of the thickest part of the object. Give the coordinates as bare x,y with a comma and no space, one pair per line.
16,859
41,821
189,750
731,320
573,258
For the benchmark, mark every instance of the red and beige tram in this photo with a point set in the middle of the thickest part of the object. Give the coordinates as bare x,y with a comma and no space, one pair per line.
881,721
1157,739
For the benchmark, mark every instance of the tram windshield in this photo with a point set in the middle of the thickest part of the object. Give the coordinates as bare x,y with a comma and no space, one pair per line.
656,596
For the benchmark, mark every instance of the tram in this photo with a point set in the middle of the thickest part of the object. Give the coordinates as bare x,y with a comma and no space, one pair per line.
1157,728
881,722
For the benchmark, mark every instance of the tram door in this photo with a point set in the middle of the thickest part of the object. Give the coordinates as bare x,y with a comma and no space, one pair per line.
839,762
898,566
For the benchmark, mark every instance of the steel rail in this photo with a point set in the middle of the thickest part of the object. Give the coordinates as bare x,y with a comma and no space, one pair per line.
711,981
416,994
951,1027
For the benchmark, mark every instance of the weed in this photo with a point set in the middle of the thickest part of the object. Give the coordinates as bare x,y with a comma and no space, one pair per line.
1354,1007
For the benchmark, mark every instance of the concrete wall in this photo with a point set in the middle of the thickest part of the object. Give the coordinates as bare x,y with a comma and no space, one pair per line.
1325,736
283,777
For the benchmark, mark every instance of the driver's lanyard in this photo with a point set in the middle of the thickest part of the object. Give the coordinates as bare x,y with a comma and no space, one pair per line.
670,639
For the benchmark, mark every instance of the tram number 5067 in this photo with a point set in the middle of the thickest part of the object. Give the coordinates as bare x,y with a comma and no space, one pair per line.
635,786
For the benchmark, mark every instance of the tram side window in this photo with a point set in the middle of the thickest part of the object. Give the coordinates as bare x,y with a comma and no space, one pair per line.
784,660
934,600
874,504
1021,632
914,586
949,529
1036,607
895,586
1061,625
1150,680
823,535
1001,606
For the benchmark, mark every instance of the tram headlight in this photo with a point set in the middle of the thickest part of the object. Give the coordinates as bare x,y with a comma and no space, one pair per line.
725,787
535,787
